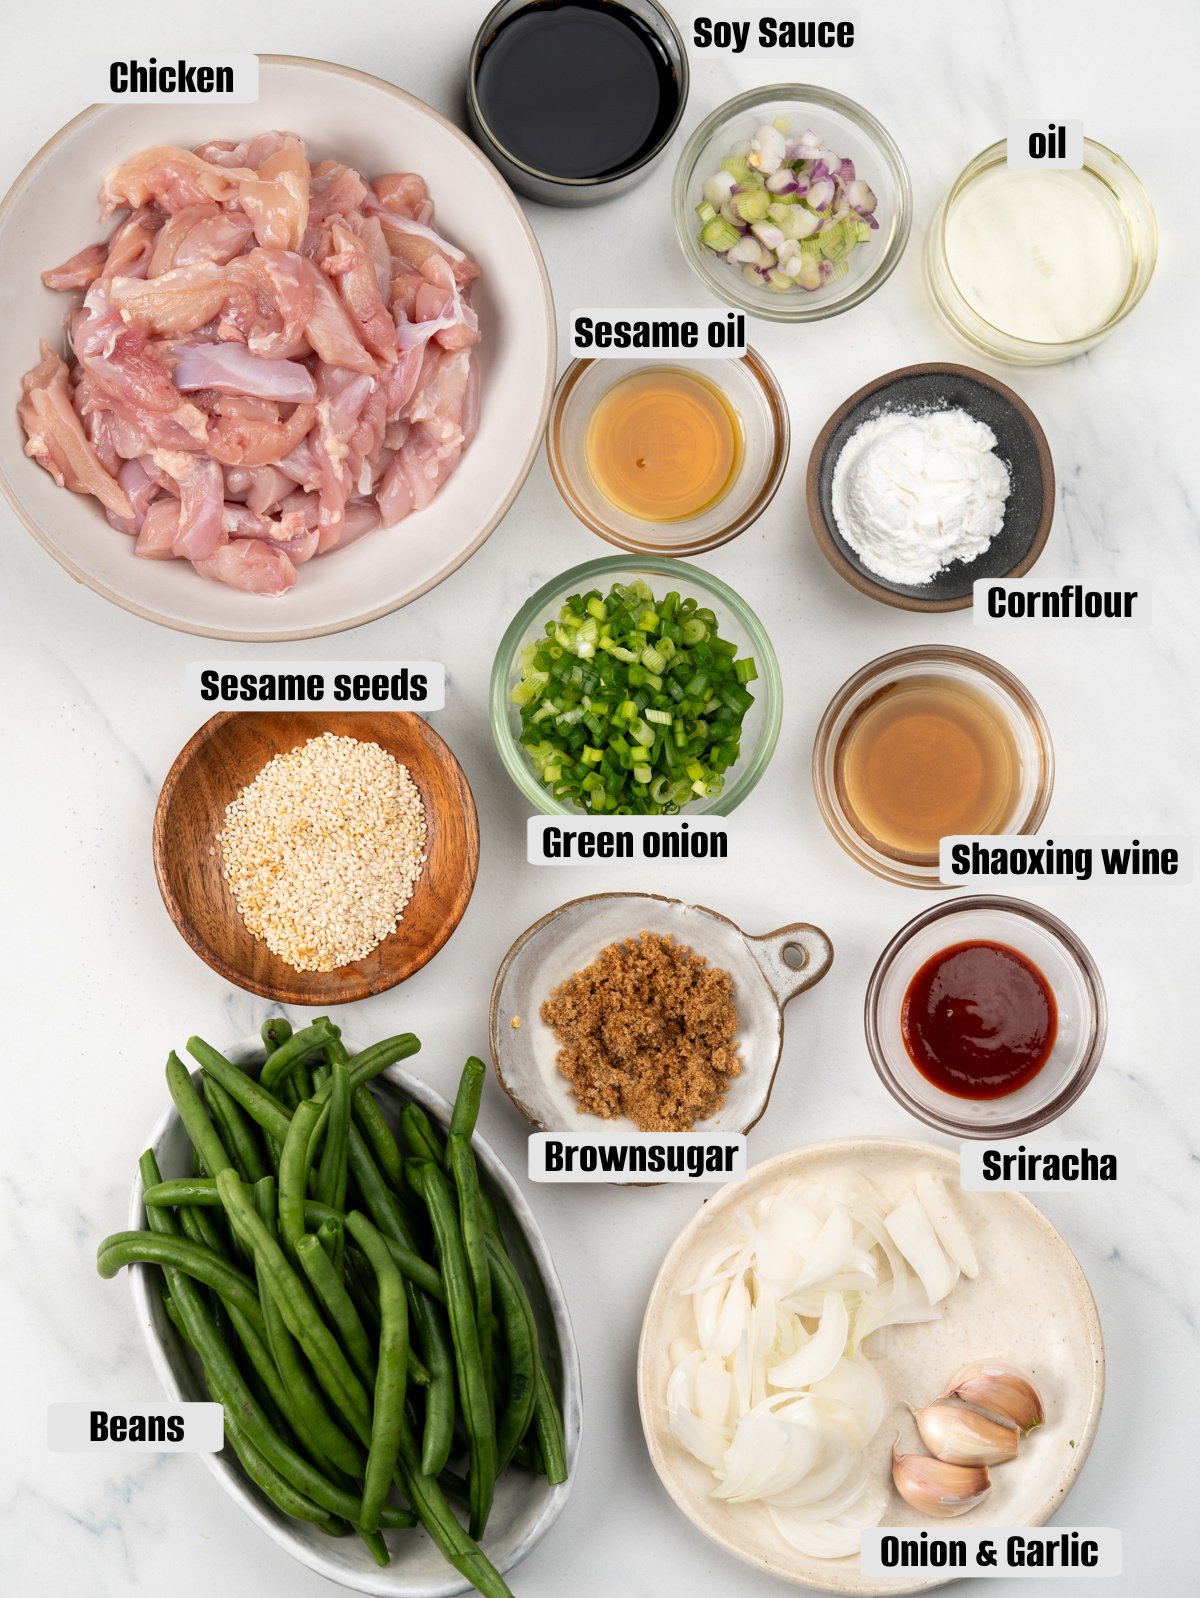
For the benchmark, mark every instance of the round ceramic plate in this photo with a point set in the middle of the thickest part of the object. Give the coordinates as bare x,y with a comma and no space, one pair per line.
51,211
526,1506
1020,444
1030,1306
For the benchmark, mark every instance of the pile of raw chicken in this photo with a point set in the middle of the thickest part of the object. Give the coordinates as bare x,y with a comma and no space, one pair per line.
270,359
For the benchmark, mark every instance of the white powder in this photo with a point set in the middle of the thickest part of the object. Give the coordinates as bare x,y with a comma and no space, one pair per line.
911,492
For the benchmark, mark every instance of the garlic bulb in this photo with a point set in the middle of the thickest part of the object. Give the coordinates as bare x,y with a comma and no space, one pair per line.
1000,1390
936,1488
961,1437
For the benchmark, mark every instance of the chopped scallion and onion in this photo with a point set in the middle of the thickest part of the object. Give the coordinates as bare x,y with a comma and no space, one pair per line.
788,213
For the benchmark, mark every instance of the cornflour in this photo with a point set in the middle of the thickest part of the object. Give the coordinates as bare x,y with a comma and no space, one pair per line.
913,492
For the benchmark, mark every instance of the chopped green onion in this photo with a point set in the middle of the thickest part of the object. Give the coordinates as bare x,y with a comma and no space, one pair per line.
629,706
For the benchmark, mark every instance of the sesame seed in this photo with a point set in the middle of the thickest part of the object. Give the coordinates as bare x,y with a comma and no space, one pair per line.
322,851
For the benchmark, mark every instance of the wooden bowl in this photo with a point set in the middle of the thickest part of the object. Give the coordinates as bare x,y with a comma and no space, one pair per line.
1020,444
211,770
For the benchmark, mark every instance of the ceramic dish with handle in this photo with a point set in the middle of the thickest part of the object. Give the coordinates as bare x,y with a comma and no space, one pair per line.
768,971
1081,1022
209,772
1030,1306
736,622
1020,444
526,1506
51,211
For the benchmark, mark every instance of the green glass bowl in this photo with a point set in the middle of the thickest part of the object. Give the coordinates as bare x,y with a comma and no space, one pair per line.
735,621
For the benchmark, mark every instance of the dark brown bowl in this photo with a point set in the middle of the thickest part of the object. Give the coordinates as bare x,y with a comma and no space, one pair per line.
1020,443
211,770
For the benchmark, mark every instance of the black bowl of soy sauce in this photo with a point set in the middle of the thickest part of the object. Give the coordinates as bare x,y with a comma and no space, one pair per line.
574,100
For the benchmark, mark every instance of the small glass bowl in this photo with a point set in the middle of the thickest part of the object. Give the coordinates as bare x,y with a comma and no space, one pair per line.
1125,195
754,394
735,620
1021,714
1062,960
848,130
545,186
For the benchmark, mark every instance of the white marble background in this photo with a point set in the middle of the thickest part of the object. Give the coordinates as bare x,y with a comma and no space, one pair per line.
101,987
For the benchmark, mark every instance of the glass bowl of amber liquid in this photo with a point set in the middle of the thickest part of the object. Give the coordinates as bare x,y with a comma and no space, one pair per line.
926,743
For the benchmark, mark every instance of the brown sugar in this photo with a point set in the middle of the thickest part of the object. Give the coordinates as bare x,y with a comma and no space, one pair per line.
647,1031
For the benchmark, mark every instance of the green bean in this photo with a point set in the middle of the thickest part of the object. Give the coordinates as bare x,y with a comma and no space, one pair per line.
467,1099
193,1259
276,1030
294,1165
417,1270
478,1417
549,1428
263,1474
331,1174
262,1107
377,1133
202,1228
300,1316
338,1305
195,1121
328,1447
202,1191
182,1191
460,1162
376,1544
435,1514
244,1420
243,1153
378,1199
423,1140
290,1054
520,1336
391,1376
331,1235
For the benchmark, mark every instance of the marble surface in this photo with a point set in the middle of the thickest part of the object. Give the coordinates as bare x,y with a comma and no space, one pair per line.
100,986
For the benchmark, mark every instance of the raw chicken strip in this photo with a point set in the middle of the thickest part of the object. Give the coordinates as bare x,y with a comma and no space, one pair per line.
56,437
270,359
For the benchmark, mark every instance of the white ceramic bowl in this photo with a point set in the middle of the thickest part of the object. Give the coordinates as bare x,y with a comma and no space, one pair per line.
1030,1306
526,1506
51,211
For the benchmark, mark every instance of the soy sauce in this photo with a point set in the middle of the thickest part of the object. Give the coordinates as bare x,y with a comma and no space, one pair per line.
979,1020
576,88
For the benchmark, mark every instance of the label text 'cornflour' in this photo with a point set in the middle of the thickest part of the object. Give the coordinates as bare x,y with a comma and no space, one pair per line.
639,1157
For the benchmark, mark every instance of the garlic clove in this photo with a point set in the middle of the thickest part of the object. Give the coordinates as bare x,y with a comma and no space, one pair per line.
934,1487
1001,1390
961,1437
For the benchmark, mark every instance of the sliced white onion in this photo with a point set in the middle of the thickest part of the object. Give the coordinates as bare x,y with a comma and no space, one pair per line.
821,1353
914,1236
946,1222
771,1394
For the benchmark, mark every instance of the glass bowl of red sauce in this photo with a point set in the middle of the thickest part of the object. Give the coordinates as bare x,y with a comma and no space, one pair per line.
986,1017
